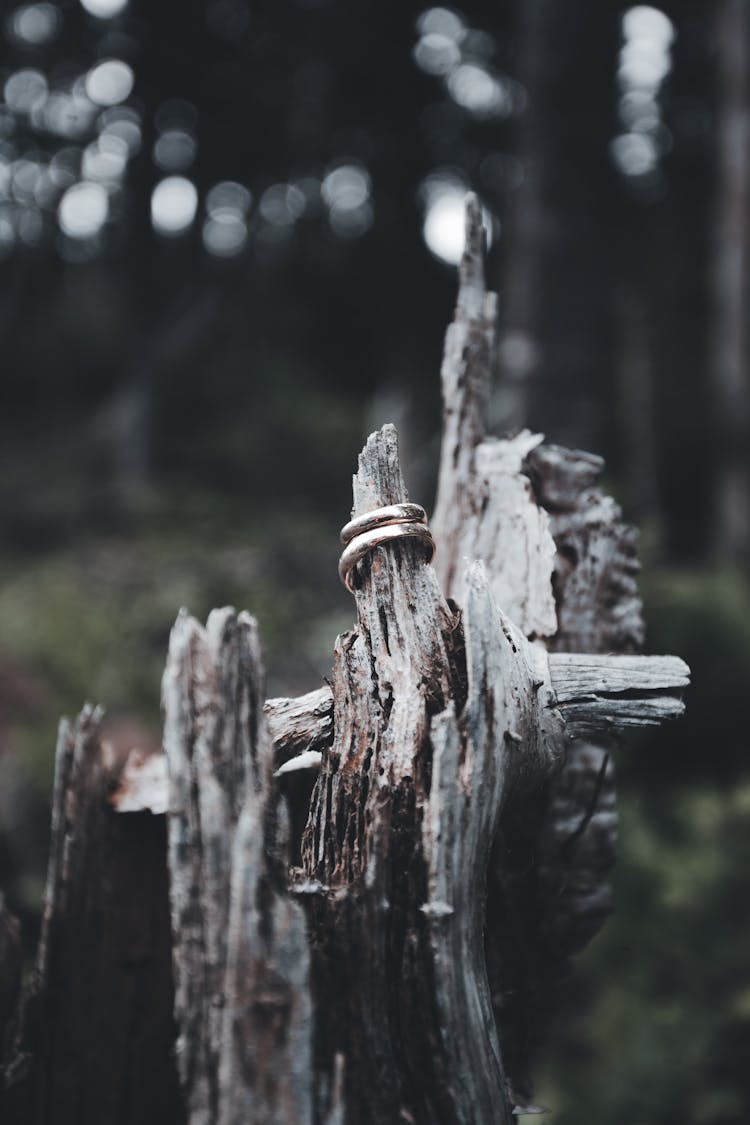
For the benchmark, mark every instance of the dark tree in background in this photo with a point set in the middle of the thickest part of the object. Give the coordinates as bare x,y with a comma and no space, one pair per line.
733,275
558,267
227,233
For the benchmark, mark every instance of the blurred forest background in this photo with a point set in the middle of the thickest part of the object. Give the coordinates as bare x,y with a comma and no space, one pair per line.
228,234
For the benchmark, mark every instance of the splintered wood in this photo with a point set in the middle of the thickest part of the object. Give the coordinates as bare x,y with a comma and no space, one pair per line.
351,908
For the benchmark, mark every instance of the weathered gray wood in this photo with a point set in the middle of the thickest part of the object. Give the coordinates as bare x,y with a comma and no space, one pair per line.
601,695
96,1034
240,949
478,757
599,611
584,686
442,772
375,857
299,724
577,675
596,566
465,374
265,1067
605,693
562,566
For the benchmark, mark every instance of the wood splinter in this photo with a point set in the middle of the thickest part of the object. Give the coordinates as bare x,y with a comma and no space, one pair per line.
383,945
595,694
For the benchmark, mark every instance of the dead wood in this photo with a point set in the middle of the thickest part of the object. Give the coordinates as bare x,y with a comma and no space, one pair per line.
388,950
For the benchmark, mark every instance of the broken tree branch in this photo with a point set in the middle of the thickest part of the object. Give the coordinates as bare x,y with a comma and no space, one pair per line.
607,694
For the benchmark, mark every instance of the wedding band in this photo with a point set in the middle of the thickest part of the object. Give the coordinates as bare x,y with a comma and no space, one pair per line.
366,541
379,517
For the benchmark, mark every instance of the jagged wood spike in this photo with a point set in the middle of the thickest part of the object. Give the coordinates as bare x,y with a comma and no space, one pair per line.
561,564
365,852
465,374
242,1000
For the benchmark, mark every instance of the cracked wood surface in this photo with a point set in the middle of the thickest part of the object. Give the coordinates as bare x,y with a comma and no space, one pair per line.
242,998
604,694
562,566
399,971
358,988
485,508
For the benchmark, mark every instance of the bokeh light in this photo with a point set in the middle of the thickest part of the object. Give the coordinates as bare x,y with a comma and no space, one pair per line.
33,25
174,202
104,9
83,210
282,204
444,225
443,195
105,160
123,123
440,21
174,150
225,230
347,190
644,64
460,56
25,90
110,82
436,54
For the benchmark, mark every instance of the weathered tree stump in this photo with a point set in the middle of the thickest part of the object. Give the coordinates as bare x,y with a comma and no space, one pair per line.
225,944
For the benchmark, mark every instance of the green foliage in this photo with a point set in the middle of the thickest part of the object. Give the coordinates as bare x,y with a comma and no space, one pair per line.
93,624
666,987
704,615
655,1028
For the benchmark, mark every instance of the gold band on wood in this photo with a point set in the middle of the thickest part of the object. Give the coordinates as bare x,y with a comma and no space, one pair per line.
379,517
366,541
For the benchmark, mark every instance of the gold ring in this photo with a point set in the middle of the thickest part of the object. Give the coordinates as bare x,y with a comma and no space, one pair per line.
379,517
366,541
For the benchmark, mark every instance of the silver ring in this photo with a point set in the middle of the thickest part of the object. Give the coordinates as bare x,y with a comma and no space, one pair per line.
378,517
366,541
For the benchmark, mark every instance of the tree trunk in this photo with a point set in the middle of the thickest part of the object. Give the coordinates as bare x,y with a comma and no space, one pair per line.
555,282
364,895
732,356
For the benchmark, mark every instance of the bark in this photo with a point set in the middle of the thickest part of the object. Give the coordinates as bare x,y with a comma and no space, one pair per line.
465,378
299,725
395,960
607,693
630,690
96,1037
401,823
595,567
242,999
562,566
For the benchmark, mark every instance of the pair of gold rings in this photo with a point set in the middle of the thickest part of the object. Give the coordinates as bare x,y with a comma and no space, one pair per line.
362,534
